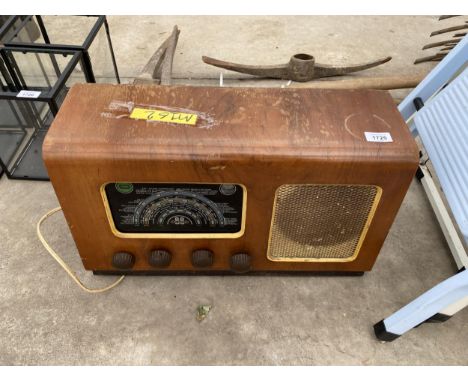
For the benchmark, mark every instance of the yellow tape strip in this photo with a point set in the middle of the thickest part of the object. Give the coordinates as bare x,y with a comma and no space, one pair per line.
164,116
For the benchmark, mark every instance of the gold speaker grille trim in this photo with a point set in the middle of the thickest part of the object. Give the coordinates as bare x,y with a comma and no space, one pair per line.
321,222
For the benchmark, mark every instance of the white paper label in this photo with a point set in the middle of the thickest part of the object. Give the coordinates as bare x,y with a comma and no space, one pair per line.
28,94
378,137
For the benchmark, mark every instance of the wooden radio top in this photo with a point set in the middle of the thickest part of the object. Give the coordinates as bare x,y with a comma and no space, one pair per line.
131,121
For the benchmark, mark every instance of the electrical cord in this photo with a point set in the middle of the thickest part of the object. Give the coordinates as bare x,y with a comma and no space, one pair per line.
62,263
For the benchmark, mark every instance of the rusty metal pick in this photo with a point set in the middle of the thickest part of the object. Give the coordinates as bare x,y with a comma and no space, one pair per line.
300,68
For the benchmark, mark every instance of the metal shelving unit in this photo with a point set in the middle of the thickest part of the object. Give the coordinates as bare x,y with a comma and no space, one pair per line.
37,67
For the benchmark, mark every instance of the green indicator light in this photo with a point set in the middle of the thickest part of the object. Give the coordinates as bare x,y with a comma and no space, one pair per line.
124,188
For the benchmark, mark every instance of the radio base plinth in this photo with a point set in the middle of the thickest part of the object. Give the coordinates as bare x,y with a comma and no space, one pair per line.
225,273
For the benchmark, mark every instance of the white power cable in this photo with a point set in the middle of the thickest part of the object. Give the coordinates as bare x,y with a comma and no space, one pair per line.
62,263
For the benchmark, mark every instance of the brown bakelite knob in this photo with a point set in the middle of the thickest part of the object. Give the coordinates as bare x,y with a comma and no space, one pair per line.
240,262
202,258
123,260
159,258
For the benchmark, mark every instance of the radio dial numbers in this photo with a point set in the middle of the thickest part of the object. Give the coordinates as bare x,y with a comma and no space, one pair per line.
174,210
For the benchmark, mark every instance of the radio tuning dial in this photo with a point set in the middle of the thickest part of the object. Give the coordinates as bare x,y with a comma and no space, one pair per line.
159,258
240,262
123,260
202,258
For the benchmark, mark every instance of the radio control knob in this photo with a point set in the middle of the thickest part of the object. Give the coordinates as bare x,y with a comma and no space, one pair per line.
202,258
240,262
123,260
159,258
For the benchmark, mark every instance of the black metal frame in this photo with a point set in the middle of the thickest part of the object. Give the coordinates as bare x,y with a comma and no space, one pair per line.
48,97
86,60
7,25
14,81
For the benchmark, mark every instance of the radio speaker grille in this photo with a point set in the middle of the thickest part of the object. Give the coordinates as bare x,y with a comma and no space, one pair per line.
321,222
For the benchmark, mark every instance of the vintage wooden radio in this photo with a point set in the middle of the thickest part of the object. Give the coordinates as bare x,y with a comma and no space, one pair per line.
156,179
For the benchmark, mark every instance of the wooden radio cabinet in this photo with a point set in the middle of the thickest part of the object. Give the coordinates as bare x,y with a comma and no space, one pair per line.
156,179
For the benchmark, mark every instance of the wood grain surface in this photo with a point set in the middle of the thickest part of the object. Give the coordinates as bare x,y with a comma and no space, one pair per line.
261,138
